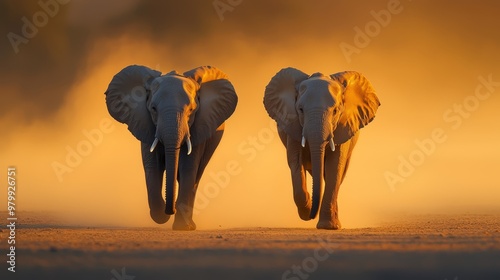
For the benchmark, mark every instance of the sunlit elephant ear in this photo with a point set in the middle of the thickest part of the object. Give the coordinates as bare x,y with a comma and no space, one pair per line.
217,102
280,97
360,105
126,98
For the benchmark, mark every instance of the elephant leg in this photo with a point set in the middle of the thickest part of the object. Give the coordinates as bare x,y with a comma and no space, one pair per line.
191,168
208,151
209,148
301,196
154,168
336,165
282,135
188,166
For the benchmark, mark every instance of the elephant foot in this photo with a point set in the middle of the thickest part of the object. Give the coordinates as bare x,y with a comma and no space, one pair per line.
159,216
182,224
331,225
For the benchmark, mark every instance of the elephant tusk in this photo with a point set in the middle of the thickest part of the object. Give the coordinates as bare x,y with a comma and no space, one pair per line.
153,146
303,143
332,144
190,148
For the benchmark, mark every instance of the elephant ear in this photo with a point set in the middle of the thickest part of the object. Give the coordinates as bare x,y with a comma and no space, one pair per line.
360,105
217,102
126,98
280,98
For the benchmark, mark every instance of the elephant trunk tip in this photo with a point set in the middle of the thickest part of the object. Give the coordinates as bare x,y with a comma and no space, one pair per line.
317,162
314,211
171,169
169,210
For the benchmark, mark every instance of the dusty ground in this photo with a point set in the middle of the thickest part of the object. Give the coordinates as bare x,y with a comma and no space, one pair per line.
419,247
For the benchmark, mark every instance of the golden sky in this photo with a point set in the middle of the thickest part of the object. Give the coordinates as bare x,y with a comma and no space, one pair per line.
433,146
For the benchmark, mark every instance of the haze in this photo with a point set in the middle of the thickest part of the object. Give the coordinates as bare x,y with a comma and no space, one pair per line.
433,146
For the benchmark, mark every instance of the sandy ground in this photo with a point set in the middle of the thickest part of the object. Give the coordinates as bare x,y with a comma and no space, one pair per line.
454,247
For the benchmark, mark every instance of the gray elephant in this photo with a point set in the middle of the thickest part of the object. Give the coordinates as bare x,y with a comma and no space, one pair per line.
179,119
312,112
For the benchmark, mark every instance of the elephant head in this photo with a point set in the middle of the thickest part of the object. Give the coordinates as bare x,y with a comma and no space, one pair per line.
169,112
317,110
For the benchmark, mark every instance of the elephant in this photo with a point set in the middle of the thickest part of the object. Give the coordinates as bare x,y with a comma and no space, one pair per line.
179,120
311,112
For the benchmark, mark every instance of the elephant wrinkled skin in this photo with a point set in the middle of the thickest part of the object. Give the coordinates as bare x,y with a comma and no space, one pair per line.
319,118
179,119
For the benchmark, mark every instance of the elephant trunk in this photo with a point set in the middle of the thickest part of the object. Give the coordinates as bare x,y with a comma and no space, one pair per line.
317,132
171,167
317,162
172,136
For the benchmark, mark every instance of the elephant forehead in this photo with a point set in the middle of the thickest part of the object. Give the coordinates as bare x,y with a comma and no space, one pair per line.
318,83
321,86
175,83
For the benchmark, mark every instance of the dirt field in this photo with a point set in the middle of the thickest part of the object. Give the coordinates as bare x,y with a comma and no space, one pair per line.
418,247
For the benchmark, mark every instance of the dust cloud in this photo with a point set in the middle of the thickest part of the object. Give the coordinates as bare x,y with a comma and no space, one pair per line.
433,146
